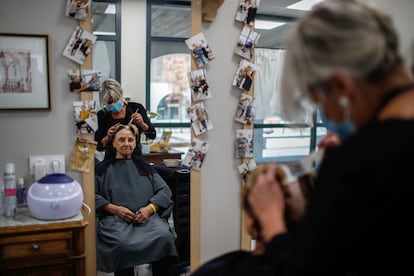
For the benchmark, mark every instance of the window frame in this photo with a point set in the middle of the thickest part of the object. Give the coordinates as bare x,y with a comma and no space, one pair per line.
116,38
149,41
313,128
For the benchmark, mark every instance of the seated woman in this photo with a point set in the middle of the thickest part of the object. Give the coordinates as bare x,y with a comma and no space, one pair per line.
133,204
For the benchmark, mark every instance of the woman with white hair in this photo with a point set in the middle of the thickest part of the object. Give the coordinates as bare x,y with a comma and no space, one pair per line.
343,60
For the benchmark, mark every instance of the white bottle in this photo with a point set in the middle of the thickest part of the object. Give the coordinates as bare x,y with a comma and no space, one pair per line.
9,190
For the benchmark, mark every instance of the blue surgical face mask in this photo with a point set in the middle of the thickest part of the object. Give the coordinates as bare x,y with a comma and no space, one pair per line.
116,107
343,129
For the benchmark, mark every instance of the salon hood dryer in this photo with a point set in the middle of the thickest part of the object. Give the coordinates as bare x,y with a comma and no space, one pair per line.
55,196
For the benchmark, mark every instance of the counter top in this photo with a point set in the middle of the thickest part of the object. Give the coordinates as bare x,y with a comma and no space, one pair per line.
23,217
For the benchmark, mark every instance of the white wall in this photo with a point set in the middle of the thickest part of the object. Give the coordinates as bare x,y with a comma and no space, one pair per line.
27,133
220,181
133,49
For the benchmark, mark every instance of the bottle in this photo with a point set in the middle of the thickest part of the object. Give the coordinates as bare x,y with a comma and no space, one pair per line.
1,194
21,193
9,190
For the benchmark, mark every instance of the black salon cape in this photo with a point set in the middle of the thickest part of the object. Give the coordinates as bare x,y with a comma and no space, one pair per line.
133,184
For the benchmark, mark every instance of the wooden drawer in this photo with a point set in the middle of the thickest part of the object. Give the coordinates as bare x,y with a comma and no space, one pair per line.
36,245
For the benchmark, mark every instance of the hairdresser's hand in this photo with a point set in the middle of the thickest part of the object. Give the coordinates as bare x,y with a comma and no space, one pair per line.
111,130
138,120
268,204
329,140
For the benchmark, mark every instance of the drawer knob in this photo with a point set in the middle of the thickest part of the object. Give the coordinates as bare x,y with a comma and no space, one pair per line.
36,247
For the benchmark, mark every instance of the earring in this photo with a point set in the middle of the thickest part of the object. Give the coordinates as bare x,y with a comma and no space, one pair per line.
343,101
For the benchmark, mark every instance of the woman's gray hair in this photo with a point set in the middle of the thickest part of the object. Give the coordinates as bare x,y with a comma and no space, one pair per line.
110,88
337,36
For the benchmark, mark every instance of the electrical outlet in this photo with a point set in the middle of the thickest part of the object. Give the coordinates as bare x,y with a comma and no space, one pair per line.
52,163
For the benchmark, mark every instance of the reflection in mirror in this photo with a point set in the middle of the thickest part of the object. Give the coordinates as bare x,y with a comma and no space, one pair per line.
168,62
168,94
274,138
106,26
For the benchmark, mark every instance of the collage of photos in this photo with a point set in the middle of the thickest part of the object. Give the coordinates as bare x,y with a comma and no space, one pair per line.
244,77
199,85
246,44
199,119
245,110
244,143
196,154
247,10
84,80
200,51
79,46
86,120
78,9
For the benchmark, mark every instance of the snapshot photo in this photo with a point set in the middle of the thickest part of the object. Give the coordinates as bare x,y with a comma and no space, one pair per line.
246,168
199,119
246,44
78,9
247,10
196,154
79,45
244,77
200,51
199,85
245,110
86,120
84,80
244,143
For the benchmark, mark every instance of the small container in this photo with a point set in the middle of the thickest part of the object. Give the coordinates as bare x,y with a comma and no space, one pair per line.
21,193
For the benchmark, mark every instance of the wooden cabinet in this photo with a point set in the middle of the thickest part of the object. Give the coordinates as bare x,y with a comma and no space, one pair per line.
158,157
180,187
47,249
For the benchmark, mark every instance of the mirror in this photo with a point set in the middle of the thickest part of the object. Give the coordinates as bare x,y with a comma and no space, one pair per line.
168,57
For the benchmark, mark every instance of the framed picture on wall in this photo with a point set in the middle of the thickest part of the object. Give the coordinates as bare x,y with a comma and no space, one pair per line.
24,72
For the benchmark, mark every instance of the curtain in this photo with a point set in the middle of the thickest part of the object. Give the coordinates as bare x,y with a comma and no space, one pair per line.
269,64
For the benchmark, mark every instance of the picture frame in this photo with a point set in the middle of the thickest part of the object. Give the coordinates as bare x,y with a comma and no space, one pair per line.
24,72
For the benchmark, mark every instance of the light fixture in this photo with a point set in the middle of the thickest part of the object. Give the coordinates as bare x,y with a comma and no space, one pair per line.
267,25
110,9
304,5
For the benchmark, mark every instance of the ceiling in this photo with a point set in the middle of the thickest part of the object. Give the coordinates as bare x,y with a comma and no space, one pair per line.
171,20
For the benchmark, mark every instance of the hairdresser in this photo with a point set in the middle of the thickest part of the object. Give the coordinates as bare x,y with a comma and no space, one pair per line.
343,60
116,111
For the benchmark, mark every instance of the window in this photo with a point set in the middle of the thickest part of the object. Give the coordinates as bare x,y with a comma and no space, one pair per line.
106,25
274,138
168,62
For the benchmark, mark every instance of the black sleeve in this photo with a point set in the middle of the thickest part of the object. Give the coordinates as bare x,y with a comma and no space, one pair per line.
102,129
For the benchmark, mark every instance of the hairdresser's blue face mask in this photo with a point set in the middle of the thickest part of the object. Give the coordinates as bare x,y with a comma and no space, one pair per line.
343,129
116,107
